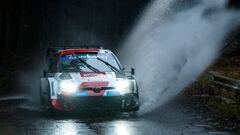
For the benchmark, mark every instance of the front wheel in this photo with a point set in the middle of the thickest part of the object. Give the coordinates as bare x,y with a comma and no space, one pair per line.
45,93
135,102
131,103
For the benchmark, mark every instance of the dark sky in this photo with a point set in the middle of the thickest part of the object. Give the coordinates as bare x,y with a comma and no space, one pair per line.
27,27
34,23
91,21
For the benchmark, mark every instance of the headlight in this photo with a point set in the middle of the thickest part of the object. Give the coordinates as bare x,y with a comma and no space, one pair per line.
68,87
123,86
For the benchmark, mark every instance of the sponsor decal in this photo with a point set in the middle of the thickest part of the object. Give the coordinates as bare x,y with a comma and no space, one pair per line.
93,76
85,56
94,84
52,86
90,74
52,89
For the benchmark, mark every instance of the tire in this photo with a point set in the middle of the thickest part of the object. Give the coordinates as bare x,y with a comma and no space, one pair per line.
136,96
45,93
133,101
136,108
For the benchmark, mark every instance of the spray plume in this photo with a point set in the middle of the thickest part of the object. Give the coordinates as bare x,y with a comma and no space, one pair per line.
170,49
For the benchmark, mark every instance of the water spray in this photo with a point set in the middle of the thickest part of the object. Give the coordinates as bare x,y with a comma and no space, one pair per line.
170,51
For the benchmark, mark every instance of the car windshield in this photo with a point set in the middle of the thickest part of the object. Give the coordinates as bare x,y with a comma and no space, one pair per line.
88,62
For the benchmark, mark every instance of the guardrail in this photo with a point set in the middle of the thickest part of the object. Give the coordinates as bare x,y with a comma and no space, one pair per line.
226,82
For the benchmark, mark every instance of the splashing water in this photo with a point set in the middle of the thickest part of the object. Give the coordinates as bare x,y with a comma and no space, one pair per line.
170,51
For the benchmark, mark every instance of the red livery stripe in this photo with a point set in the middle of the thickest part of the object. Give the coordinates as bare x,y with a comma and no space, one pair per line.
56,104
73,51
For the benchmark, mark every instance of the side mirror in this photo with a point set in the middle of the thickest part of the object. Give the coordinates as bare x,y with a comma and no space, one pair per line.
133,71
44,73
47,74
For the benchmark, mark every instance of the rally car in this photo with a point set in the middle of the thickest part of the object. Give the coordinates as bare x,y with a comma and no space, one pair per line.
87,79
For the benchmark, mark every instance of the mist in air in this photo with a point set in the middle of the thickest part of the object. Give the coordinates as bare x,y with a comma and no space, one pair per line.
170,49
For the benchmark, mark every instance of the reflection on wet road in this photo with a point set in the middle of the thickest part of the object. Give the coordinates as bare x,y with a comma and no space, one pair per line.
174,118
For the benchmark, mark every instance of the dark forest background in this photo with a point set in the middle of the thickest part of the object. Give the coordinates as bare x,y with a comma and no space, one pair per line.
28,27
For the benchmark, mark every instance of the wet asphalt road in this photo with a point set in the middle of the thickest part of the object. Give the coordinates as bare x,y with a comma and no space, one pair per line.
177,117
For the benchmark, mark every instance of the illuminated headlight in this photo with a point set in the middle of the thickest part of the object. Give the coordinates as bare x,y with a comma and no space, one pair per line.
123,86
68,87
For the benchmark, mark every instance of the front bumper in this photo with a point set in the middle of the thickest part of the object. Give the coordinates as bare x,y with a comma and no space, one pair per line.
80,103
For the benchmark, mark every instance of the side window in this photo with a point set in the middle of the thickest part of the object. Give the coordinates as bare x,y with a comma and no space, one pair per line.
117,63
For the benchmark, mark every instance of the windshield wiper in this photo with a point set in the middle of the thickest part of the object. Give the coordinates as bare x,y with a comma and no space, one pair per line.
110,66
89,66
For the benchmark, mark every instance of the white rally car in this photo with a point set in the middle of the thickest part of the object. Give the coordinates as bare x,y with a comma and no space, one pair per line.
87,78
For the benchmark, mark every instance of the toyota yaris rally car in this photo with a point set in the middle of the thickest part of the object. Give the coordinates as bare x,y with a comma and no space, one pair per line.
87,78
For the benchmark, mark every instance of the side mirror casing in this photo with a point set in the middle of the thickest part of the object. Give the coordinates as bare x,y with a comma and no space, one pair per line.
133,71
47,74
44,73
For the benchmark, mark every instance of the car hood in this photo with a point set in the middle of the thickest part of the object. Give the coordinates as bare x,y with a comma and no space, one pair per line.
92,79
